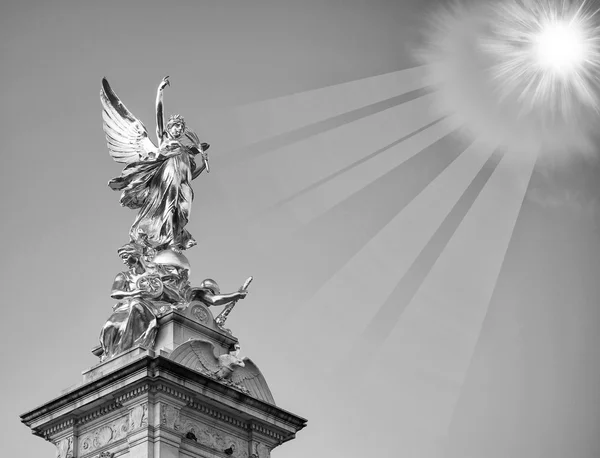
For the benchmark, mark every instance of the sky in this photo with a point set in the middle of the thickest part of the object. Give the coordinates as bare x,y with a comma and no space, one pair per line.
416,292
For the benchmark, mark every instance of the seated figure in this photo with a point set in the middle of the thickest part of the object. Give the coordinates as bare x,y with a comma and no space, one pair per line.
145,292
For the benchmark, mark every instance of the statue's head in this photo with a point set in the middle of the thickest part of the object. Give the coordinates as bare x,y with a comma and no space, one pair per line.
176,126
130,254
235,349
211,285
172,263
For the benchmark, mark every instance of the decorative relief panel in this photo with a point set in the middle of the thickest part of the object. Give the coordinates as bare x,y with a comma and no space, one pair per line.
104,435
64,448
138,417
169,416
200,313
260,450
216,440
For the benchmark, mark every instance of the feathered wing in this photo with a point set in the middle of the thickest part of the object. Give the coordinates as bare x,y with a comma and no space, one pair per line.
126,136
196,354
252,379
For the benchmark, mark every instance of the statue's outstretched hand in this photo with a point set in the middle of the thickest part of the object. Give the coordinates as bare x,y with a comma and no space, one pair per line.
165,82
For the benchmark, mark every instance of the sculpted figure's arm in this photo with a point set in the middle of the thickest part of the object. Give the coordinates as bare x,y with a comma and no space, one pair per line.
160,113
120,288
167,148
198,170
211,299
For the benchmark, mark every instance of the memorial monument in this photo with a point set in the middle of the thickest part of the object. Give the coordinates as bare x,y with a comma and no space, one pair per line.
170,381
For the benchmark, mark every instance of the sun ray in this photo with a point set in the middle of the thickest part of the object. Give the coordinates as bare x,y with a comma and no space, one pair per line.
346,299
240,156
318,198
291,213
390,312
247,124
281,173
434,341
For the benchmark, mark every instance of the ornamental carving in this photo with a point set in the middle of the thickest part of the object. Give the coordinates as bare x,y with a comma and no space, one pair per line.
260,450
104,435
200,314
64,448
169,416
216,440
138,417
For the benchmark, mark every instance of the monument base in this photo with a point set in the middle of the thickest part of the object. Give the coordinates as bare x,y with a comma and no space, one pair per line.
142,404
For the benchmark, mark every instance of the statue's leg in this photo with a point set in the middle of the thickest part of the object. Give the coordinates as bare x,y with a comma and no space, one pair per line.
111,332
141,326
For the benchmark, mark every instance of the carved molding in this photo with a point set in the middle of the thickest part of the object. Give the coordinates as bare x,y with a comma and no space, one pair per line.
47,433
133,393
64,448
218,415
215,440
267,431
104,435
99,412
175,393
138,417
59,427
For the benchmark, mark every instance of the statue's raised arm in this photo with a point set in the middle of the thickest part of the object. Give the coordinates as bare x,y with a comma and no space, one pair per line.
156,180
160,112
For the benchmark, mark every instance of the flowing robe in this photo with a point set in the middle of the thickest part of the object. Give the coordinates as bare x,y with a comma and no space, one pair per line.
161,189
134,321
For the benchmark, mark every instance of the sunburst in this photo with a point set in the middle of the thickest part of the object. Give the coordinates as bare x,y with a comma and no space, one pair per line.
546,53
521,73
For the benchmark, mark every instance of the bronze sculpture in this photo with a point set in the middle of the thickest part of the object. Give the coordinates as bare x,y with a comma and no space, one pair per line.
157,181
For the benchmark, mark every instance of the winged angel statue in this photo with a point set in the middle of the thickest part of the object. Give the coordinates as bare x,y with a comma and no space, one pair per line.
157,179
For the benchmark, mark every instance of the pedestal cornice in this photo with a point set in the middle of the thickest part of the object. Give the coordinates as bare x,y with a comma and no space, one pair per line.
150,375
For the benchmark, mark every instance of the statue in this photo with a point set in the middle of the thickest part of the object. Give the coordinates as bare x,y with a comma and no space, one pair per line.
239,373
229,362
145,292
133,321
209,294
156,180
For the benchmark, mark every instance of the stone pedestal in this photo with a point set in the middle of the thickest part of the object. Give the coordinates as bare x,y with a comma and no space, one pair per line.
143,404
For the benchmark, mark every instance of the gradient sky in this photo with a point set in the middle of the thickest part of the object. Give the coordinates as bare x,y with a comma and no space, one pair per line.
416,293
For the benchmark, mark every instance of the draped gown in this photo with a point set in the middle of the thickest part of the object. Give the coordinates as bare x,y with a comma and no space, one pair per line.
161,189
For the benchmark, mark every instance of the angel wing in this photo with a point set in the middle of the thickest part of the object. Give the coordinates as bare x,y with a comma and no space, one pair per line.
126,136
196,354
252,379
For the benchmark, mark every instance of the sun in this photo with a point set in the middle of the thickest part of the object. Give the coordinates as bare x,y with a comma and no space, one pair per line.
546,53
524,74
561,48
